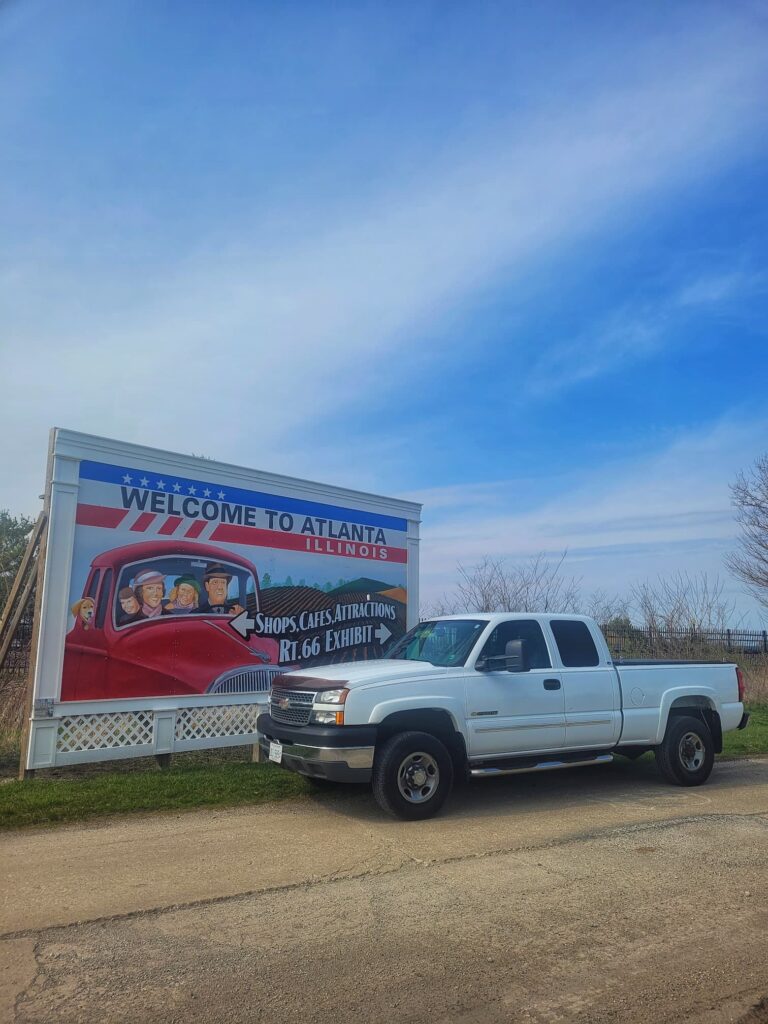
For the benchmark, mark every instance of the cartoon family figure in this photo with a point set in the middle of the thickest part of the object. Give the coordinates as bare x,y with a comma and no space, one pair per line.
146,598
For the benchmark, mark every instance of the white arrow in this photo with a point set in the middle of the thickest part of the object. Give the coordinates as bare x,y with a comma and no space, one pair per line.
243,625
382,634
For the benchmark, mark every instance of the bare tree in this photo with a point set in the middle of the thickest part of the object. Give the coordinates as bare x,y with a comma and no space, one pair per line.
683,602
445,605
683,605
605,608
535,585
749,496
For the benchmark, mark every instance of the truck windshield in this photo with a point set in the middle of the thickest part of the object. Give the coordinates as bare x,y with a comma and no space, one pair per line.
178,585
443,642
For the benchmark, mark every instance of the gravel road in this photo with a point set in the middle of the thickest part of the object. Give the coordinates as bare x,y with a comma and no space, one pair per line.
592,895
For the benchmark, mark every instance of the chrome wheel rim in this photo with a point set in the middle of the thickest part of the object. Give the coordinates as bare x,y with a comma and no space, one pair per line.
418,777
692,751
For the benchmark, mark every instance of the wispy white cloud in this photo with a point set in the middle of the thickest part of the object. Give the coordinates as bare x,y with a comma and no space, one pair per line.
626,337
242,348
634,333
715,289
657,513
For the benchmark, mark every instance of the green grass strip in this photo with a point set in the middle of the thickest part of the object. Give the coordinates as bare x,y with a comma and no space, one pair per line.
753,739
46,801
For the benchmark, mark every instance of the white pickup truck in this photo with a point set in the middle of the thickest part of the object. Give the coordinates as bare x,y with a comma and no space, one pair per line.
494,694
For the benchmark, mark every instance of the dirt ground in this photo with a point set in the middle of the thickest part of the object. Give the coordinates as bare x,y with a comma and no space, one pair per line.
592,895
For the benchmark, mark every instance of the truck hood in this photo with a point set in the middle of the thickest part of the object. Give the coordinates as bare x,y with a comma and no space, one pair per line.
353,675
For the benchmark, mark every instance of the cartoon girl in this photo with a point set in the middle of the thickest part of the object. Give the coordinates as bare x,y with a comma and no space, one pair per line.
150,590
184,596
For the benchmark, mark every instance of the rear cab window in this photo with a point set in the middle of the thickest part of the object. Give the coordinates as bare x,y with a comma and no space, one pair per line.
575,644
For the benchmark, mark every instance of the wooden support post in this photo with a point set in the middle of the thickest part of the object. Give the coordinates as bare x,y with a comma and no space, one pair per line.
41,551
23,773
20,591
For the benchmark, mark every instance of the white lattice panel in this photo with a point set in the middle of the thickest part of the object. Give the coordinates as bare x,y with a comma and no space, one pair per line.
224,720
102,732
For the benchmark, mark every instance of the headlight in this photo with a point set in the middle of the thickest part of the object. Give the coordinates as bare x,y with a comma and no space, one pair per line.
331,696
327,717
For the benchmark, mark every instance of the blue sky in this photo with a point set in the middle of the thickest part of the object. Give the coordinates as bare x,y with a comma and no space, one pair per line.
510,260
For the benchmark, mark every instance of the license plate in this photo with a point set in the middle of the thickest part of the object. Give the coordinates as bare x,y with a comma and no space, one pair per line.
275,752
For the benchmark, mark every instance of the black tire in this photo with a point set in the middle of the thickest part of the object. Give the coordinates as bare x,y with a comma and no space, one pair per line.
412,775
687,752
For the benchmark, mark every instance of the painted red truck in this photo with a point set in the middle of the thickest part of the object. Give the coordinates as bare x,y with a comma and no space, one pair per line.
147,625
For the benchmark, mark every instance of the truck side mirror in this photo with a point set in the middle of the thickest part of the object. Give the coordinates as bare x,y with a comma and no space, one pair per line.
514,652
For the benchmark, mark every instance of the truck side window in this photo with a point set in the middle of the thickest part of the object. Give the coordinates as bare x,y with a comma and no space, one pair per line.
101,610
536,653
93,585
575,643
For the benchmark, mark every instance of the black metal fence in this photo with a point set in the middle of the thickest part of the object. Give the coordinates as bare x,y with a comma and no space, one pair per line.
689,644
13,676
17,658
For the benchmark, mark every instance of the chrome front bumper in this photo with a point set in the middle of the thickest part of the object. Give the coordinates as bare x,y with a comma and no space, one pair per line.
339,764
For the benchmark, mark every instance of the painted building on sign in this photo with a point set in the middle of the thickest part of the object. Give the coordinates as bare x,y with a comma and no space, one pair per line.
173,582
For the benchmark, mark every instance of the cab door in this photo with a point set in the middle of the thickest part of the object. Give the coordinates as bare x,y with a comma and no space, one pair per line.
590,684
512,713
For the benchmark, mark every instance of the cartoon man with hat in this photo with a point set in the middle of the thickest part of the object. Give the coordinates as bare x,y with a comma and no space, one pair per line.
216,583
149,587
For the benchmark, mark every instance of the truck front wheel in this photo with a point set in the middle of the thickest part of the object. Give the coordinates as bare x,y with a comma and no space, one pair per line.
412,775
687,752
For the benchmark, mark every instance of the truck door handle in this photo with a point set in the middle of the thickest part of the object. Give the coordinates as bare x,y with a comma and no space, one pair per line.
551,684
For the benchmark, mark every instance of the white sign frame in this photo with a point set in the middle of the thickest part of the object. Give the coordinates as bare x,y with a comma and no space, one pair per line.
51,717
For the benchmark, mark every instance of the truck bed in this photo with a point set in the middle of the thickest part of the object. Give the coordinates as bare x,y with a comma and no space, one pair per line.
619,662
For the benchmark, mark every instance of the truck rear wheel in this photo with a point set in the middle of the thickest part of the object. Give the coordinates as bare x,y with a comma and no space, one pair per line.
687,752
412,775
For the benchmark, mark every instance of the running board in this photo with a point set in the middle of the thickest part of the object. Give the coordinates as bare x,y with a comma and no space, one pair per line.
542,766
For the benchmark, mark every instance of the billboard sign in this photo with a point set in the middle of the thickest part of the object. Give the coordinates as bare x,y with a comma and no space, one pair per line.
170,577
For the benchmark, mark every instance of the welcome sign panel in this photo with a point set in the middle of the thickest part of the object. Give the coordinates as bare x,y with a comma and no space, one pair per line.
183,584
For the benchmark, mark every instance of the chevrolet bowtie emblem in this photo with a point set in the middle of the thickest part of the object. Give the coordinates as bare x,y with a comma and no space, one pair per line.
284,702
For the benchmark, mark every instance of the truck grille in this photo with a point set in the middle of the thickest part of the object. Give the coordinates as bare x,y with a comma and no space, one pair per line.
298,707
245,680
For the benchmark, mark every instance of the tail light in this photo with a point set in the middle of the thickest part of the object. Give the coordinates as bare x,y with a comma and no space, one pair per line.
740,681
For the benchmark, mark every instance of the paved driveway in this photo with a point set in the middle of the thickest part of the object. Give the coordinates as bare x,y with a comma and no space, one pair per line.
596,894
